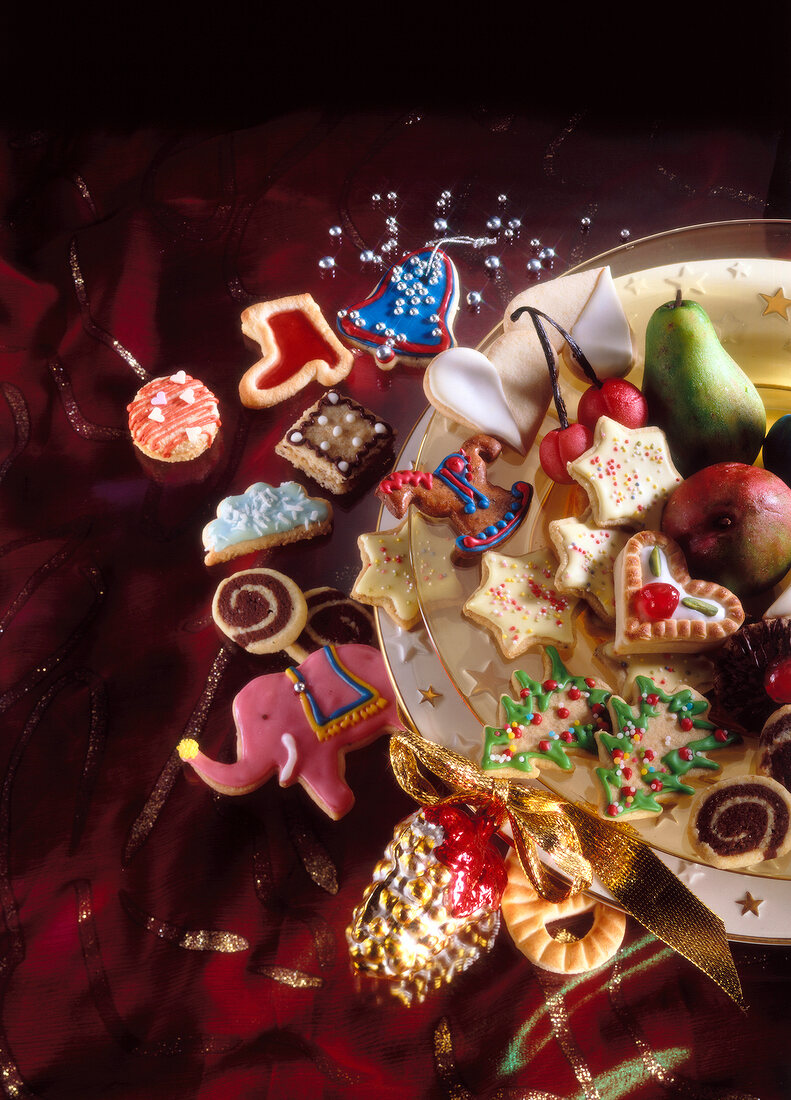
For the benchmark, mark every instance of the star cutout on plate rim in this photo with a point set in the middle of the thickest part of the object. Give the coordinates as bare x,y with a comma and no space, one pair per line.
749,904
687,282
634,286
738,270
486,681
628,475
776,303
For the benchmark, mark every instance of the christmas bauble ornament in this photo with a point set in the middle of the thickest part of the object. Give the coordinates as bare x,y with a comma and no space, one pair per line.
433,905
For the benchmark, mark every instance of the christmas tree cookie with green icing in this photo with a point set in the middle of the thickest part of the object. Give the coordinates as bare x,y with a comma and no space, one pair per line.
653,745
547,721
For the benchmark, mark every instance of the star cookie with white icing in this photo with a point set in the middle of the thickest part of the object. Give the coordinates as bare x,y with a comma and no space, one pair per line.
586,556
628,475
386,579
518,602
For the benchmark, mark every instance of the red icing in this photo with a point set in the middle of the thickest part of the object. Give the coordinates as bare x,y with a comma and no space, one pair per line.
399,478
480,875
177,415
298,342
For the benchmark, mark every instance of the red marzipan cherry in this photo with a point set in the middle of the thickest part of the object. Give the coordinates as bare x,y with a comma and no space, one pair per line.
777,681
616,398
655,601
563,445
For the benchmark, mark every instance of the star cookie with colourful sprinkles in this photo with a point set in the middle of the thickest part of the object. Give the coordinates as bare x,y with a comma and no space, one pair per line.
628,475
652,746
586,556
518,602
547,721
386,579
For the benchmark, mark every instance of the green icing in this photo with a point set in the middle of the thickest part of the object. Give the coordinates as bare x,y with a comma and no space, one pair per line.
536,701
682,704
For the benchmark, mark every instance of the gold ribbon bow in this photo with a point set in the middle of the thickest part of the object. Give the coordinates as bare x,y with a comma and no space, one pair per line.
581,845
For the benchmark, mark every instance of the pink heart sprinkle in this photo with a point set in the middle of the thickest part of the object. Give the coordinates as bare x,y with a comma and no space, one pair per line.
160,399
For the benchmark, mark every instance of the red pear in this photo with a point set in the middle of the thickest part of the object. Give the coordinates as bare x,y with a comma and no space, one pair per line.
733,522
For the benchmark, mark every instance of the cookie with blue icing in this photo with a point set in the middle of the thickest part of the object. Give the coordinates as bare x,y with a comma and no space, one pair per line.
264,516
408,316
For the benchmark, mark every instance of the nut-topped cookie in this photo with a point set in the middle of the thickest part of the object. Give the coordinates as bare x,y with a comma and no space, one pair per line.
336,441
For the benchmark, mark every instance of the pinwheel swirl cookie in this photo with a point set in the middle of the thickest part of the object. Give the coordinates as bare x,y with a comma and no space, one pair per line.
262,610
741,821
660,607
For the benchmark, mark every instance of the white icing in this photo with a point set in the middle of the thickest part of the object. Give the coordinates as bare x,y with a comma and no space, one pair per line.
781,606
462,382
602,331
665,577
287,771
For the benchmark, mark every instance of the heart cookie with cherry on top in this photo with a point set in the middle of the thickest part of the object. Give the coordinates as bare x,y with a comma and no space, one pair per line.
658,606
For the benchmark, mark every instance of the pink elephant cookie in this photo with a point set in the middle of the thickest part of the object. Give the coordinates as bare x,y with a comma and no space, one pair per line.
302,722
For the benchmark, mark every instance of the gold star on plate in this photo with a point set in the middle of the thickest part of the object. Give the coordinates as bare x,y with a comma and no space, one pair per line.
776,303
749,904
430,695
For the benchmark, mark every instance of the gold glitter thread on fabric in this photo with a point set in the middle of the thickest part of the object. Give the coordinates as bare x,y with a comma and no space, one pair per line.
581,845
104,1003
562,1030
297,979
147,818
445,1062
78,422
190,939
91,326
312,853
667,1078
21,416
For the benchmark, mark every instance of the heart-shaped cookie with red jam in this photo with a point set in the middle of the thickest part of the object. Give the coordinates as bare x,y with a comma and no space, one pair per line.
658,606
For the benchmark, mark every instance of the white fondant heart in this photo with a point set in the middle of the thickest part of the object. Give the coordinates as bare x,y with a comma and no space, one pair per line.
188,396
193,434
157,414
160,399
180,377
463,383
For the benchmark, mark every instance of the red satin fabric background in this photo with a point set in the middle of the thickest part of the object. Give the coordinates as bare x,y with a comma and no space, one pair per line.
157,939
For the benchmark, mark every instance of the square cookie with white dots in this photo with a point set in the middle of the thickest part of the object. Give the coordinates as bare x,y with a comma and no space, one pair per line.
336,442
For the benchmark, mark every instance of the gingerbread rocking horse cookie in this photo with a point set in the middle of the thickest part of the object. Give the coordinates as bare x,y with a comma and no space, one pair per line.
482,515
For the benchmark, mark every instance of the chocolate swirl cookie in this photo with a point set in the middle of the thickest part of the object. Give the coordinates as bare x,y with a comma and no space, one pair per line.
741,821
261,610
775,747
333,619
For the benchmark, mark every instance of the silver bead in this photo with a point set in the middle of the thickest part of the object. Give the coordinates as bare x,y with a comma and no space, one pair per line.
625,234
547,255
474,299
326,263
440,225
514,223
493,223
535,243
367,257
533,266
502,199
491,263
391,196
376,197
335,231
585,223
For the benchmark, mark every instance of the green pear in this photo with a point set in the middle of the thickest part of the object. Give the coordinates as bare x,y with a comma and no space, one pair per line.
703,401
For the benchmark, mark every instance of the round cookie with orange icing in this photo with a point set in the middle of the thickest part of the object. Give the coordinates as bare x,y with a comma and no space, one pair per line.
529,918
173,419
